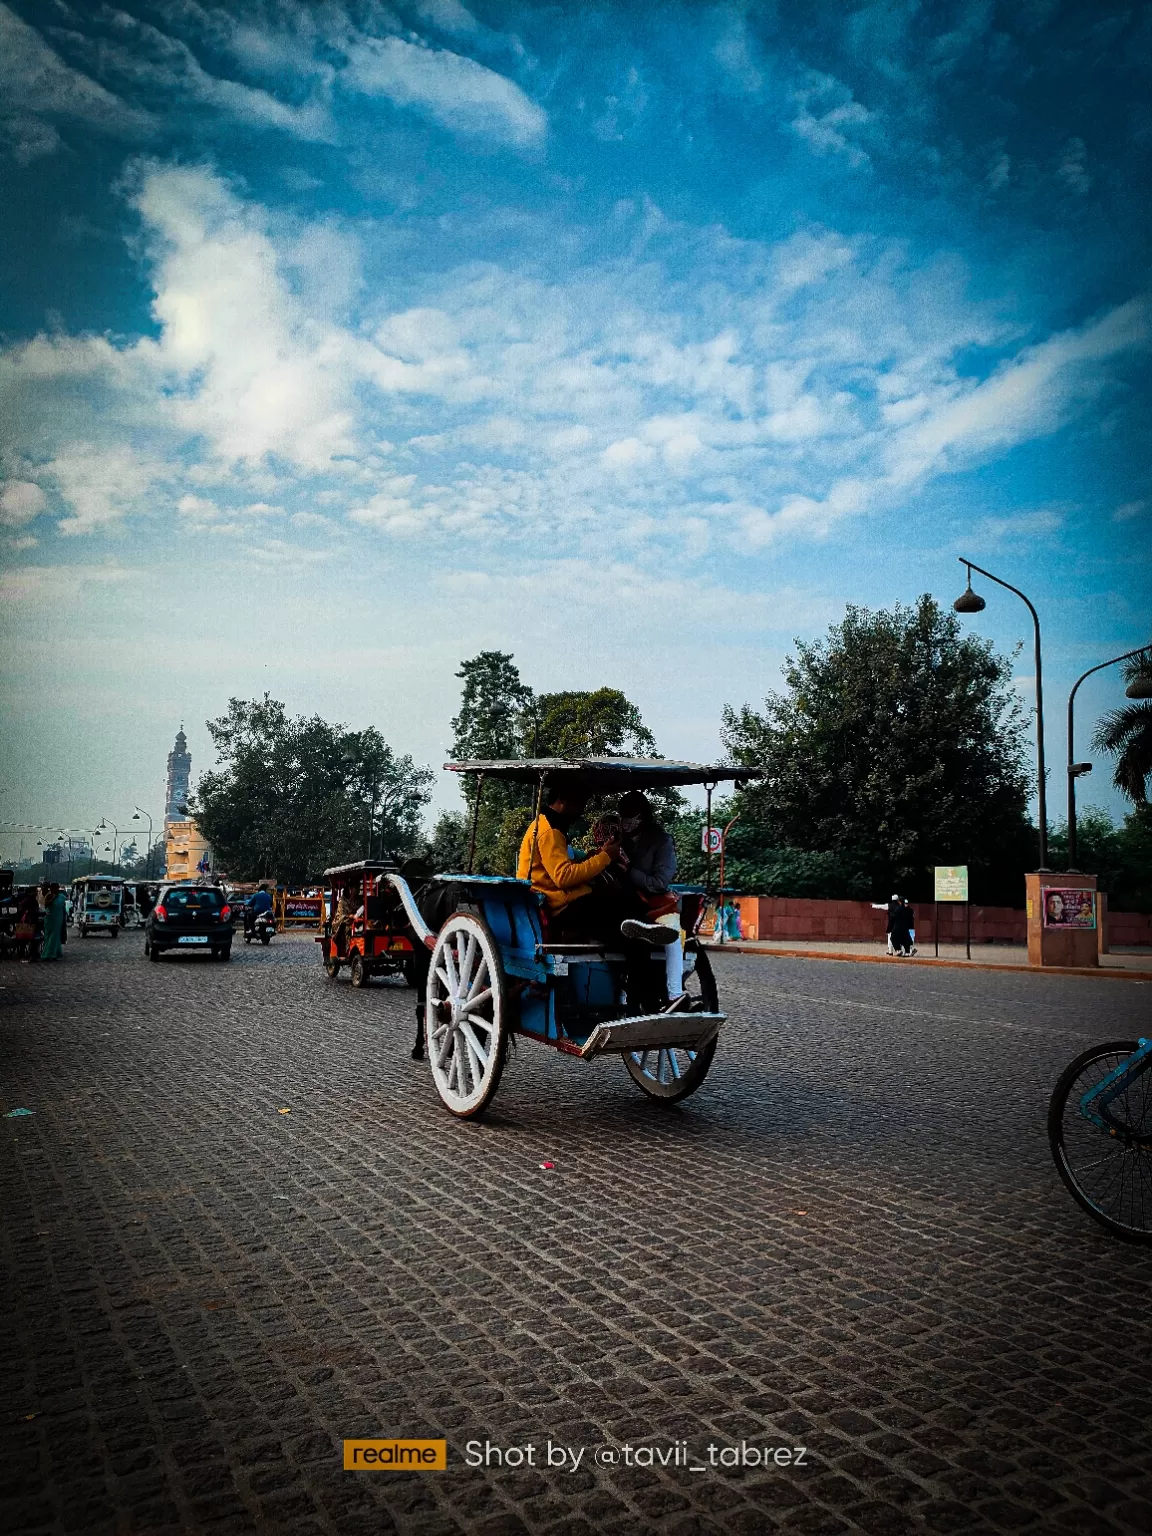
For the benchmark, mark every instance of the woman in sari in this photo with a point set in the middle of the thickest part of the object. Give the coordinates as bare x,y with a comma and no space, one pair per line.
54,915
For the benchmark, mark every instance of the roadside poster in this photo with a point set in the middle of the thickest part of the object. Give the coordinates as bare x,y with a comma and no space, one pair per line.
712,840
1068,909
951,882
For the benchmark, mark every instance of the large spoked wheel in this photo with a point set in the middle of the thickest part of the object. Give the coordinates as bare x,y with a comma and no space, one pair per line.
671,1073
465,1016
1109,1175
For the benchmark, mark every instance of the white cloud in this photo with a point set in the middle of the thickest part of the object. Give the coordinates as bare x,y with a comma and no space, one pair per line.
20,502
1128,511
35,82
1027,396
100,484
452,89
827,116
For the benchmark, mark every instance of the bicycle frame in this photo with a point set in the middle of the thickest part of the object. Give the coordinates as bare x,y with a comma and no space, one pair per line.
1104,1094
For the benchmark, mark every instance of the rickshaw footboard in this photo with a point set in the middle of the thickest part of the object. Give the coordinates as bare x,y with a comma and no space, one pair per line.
650,1031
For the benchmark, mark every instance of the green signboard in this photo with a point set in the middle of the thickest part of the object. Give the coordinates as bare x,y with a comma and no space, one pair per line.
951,882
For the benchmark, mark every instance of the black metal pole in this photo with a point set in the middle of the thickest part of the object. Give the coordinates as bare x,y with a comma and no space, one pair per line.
1041,772
968,930
475,820
1071,749
936,926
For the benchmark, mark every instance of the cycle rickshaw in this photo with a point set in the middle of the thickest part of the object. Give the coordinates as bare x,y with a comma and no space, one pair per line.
493,972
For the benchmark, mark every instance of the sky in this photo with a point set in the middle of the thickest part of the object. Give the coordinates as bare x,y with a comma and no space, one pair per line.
339,342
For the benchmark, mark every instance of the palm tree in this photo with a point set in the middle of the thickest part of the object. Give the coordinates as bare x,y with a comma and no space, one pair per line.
1127,735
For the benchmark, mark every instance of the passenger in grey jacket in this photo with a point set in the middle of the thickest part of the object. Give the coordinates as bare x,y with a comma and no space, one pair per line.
651,869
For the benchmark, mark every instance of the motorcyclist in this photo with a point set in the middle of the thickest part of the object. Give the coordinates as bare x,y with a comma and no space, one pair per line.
259,901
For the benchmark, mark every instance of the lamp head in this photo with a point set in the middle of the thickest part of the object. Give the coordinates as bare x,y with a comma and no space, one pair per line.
969,601
1078,770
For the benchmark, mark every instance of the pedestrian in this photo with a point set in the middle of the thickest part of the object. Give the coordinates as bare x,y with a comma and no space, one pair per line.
54,914
911,912
901,931
891,908
28,922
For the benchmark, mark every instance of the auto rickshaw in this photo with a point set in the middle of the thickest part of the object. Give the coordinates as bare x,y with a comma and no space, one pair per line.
494,972
99,904
367,924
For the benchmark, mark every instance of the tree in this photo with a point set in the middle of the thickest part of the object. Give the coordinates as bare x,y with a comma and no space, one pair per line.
598,723
1119,857
897,742
500,717
1126,734
290,796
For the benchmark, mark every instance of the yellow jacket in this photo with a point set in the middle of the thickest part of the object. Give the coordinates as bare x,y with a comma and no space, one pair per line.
544,860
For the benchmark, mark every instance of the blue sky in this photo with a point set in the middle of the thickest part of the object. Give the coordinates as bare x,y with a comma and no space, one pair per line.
340,341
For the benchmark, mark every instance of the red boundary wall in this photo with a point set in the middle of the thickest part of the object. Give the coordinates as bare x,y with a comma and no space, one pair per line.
781,917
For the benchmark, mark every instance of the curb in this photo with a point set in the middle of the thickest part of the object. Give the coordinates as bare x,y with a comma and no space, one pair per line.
1096,973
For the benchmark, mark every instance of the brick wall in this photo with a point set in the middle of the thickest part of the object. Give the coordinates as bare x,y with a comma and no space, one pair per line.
780,917
1126,928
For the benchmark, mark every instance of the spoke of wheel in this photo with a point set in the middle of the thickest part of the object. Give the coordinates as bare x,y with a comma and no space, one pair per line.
481,997
451,983
673,1063
467,951
443,975
475,1070
474,1045
477,991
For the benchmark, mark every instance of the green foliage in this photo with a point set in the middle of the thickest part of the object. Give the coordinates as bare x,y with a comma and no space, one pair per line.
754,867
897,744
447,849
1120,857
601,723
290,796
1126,734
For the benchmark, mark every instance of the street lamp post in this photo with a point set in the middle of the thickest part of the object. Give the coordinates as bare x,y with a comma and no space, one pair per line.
972,602
115,837
136,815
1139,688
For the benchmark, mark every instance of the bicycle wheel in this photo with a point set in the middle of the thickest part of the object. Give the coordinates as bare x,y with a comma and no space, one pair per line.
671,1073
1109,1175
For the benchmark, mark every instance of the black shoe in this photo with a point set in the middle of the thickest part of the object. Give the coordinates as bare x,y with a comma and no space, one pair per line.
655,934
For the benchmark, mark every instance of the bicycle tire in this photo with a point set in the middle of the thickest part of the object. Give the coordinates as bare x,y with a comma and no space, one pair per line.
1064,1114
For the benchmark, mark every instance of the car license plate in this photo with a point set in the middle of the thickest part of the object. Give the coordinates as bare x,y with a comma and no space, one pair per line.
193,938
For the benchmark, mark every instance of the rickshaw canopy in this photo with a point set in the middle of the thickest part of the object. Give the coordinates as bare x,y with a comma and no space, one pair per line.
361,867
607,775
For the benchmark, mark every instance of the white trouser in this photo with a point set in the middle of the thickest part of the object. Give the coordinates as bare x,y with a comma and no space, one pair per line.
673,956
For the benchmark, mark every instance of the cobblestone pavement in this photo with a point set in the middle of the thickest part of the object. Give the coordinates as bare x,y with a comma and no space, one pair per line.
851,1239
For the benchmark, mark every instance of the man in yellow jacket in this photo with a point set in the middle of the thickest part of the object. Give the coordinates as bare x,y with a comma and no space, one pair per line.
576,905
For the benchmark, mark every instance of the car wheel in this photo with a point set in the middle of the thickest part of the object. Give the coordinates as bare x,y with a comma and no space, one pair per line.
265,939
153,952
115,932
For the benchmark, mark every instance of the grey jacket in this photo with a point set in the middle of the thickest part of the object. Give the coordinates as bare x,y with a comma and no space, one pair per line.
652,856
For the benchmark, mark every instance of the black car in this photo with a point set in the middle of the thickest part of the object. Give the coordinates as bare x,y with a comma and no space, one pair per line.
189,917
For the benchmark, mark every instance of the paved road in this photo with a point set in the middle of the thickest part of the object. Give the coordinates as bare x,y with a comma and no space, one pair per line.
851,1240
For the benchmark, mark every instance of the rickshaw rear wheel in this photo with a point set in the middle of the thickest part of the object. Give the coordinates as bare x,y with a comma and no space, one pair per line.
332,966
465,1016
358,972
670,1073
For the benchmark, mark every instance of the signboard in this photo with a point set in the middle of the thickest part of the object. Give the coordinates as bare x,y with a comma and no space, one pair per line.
303,909
711,840
1068,909
951,882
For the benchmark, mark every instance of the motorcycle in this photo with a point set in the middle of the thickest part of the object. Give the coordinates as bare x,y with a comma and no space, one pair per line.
261,927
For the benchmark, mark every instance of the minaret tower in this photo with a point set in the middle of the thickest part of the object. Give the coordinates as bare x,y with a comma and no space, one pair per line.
179,774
